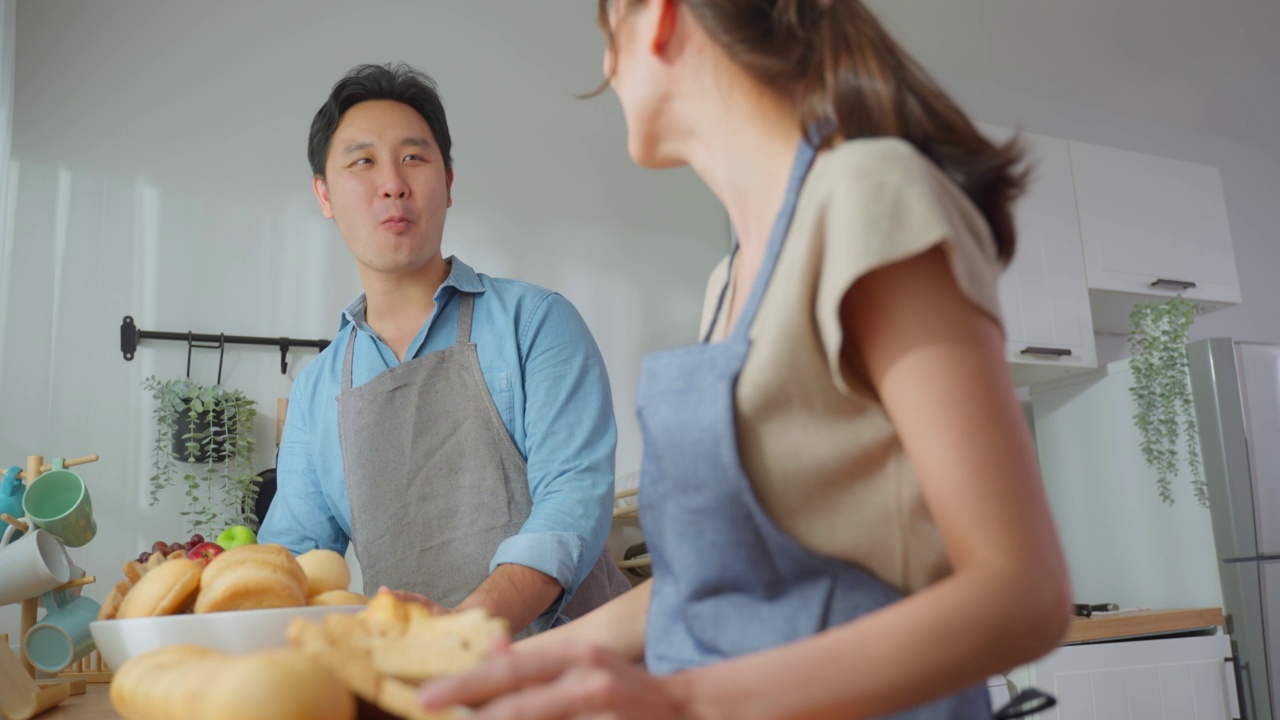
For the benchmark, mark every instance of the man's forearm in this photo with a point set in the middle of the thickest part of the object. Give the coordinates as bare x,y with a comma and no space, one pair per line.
515,592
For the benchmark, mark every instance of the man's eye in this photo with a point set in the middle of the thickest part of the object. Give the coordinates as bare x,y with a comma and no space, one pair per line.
362,161
414,158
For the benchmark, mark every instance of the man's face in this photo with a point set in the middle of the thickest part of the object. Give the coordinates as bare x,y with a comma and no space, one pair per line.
386,187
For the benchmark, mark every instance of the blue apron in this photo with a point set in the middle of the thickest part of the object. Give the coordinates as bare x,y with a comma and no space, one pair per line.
728,581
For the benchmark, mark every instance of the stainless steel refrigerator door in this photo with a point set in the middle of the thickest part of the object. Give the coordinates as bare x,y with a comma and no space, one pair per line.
1226,451
1259,367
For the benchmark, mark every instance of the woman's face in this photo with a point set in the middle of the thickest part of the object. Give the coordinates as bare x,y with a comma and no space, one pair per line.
641,76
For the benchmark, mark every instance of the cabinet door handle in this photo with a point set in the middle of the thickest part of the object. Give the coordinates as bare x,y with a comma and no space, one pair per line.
1057,352
1167,284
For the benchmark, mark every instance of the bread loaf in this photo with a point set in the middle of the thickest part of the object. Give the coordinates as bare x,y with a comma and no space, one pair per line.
252,577
186,682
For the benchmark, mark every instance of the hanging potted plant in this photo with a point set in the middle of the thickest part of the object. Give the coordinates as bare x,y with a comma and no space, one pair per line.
1161,390
208,431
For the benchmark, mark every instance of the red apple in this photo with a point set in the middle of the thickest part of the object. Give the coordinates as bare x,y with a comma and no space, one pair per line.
205,551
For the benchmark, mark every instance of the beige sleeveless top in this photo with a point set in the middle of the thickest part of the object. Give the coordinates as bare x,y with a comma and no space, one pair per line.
822,455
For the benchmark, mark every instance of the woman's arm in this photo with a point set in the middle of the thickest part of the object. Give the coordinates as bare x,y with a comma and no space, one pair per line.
618,626
937,363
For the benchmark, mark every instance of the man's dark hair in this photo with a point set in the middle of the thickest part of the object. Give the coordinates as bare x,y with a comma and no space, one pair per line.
399,82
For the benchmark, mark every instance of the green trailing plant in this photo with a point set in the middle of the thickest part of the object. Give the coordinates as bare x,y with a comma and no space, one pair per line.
1161,390
204,436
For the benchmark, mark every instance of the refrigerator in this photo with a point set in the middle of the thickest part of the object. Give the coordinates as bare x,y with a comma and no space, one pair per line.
1236,388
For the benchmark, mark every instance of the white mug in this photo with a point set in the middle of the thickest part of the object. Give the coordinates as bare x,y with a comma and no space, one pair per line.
33,564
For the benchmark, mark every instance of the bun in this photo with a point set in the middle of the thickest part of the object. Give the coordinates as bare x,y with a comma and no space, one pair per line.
338,597
166,589
325,570
186,682
252,577
384,652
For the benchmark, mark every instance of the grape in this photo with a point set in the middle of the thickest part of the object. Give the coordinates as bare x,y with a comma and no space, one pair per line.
142,557
159,546
196,539
173,548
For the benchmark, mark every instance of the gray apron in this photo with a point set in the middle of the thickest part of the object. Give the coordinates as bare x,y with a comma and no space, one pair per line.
434,481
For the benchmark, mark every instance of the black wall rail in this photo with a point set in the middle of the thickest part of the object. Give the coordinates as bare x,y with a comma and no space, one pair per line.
131,335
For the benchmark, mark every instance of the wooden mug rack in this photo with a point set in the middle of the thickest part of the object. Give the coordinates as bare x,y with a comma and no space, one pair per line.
21,695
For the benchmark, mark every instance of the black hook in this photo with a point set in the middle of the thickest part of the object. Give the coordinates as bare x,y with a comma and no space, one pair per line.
190,344
284,355
222,350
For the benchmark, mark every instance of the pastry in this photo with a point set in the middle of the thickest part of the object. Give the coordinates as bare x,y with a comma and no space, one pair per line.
252,577
167,589
186,682
325,570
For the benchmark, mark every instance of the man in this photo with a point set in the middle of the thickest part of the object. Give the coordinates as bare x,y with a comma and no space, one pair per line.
459,431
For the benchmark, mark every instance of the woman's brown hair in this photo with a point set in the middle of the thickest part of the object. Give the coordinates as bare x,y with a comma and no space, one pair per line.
850,77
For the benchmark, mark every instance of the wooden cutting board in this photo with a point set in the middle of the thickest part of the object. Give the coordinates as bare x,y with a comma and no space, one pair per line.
1136,623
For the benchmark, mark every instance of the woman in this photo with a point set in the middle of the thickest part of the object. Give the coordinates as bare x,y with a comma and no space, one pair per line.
838,490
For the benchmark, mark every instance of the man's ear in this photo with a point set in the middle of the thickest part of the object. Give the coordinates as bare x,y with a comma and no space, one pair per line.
448,186
668,11
321,189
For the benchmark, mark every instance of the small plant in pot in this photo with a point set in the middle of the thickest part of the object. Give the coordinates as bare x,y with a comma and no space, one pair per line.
204,435
1161,391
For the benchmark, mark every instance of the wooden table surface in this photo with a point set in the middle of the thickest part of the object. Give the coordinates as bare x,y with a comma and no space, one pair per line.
92,705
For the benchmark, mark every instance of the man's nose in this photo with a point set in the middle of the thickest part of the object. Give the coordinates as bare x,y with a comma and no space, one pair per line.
394,186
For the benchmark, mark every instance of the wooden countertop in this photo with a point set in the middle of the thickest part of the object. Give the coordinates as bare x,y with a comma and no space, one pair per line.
1138,623
92,705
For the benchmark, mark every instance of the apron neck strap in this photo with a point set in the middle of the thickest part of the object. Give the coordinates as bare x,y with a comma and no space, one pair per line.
346,362
805,154
468,302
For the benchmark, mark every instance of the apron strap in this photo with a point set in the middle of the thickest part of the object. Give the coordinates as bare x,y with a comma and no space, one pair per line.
468,302
346,362
805,154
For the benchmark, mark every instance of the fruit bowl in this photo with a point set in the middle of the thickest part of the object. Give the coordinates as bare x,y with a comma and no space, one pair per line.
232,632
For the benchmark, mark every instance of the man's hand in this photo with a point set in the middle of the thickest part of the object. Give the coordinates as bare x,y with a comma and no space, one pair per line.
514,592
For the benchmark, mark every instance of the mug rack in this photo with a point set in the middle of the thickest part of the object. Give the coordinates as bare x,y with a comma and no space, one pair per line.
131,335
21,695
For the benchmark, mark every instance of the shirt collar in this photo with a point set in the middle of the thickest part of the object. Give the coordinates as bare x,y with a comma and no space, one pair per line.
461,279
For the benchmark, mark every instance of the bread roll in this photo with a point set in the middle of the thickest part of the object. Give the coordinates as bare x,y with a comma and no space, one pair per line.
338,597
185,682
325,570
166,589
252,577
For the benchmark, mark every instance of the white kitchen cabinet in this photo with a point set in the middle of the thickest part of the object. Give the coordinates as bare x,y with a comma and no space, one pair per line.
1044,297
1151,227
1177,678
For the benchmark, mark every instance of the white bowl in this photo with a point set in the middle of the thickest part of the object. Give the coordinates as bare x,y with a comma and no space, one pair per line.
233,632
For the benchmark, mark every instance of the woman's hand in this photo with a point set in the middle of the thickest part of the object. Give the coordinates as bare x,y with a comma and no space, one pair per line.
572,680
412,597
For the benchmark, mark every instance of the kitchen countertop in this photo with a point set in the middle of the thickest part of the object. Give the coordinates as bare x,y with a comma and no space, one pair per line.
92,705
1141,623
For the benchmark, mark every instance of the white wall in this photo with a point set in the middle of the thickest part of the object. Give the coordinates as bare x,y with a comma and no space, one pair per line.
160,172
1122,544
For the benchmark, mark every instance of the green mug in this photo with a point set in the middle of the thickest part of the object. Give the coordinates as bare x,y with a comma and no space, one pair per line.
58,501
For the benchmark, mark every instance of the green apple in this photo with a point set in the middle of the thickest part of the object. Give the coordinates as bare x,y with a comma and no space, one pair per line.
235,536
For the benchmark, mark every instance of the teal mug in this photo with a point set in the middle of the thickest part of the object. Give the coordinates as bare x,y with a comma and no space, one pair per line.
58,501
63,636
11,491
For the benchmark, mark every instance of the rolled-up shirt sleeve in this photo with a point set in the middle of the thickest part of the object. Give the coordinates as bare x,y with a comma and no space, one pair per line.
300,517
571,440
